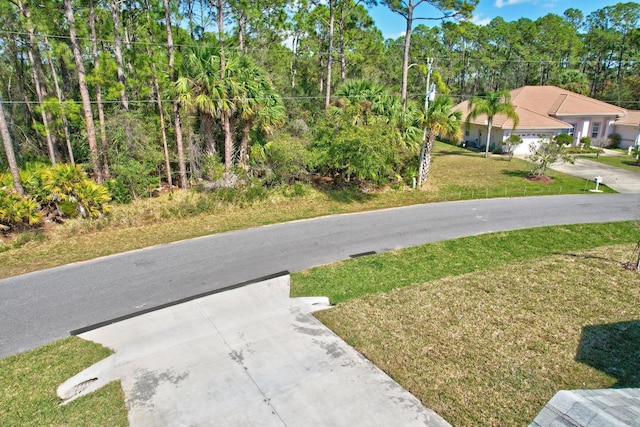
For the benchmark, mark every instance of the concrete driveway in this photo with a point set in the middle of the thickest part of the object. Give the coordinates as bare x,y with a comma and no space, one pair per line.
250,356
621,180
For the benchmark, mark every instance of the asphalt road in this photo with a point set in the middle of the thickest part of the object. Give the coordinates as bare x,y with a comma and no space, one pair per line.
40,307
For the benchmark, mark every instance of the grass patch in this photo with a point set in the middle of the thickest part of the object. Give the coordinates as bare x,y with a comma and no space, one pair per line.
492,347
456,174
354,278
28,384
623,162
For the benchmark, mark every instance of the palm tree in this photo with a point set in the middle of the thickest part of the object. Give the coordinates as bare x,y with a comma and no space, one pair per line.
257,104
492,104
203,88
441,119
371,98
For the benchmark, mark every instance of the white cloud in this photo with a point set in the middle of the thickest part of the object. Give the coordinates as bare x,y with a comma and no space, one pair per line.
501,3
480,20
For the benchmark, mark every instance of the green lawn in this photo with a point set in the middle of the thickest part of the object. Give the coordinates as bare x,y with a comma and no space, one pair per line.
354,278
28,384
624,162
490,348
486,329
456,174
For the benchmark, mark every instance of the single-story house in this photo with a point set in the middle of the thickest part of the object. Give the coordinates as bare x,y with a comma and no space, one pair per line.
544,110
628,127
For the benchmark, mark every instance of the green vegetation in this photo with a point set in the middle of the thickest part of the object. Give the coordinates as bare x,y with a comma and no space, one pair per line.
491,347
624,162
52,192
486,329
28,384
379,273
546,152
456,174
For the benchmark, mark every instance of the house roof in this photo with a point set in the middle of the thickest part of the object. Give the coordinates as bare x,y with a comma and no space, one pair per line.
543,107
631,119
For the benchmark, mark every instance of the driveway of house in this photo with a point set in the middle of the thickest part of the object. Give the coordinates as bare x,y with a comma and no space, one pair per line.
250,356
621,180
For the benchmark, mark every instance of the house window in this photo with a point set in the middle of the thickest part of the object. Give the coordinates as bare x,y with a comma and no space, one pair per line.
570,131
595,130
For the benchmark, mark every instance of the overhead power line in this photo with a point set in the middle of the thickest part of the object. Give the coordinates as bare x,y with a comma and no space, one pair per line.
485,61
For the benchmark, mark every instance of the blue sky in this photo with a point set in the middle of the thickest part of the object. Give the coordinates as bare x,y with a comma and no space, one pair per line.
393,26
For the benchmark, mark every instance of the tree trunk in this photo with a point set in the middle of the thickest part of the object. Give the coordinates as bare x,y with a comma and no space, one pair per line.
156,85
65,124
226,125
176,105
84,92
117,38
240,24
327,97
167,163
35,74
228,141
244,142
294,62
489,126
425,158
96,61
8,149
343,59
405,58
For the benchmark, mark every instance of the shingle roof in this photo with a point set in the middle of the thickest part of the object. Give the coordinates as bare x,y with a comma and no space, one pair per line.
631,119
537,105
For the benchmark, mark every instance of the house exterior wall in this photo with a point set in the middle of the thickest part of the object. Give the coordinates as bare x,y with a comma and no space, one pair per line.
530,136
600,126
628,134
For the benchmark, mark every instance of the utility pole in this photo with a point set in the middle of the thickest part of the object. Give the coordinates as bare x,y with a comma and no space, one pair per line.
428,96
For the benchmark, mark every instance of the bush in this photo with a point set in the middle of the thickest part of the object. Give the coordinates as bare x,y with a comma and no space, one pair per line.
614,140
512,142
563,139
298,127
134,178
544,153
586,140
64,191
212,167
375,152
18,211
360,153
282,161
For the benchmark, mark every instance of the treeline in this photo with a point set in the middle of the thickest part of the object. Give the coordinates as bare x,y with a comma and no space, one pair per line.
146,91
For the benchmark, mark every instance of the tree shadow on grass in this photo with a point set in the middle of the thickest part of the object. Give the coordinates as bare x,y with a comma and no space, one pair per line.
631,163
467,153
614,349
350,195
515,173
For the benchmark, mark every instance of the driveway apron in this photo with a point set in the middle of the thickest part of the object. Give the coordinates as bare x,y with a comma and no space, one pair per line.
250,356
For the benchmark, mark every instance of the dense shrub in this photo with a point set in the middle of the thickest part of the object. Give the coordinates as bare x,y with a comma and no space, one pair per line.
282,161
377,151
57,192
564,139
16,210
614,140
586,140
134,178
369,153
